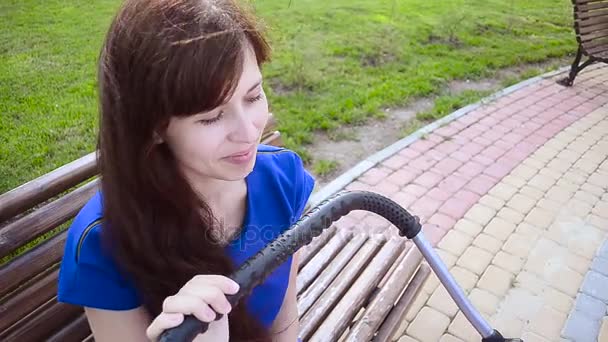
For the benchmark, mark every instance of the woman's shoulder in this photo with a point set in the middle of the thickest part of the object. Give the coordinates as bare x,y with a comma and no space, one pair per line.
284,176
87,270
84,244
268,154
282,162
270,149
86,226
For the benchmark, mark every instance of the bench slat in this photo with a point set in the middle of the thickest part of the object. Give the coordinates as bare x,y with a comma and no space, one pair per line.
603,56
595,47
308,252
27,266
596,36
394,266
270,135
273,139
582,2
591,6
76,331
387,275
271,124
342,314
386,298
390,325
314,291
321,260
588,22
317,313
25,301
46,218
592,14
585,31
598,49
42,188
595,43
42,323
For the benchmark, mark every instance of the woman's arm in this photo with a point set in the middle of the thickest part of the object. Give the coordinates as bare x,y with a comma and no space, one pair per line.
287,325
129,325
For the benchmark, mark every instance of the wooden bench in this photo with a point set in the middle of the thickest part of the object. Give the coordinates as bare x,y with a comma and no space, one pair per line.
350,284
354,286
591,28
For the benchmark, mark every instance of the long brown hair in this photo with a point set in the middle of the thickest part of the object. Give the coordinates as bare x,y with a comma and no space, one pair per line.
165,58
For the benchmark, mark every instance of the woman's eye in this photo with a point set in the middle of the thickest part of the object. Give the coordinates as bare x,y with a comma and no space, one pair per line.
254,99
210,121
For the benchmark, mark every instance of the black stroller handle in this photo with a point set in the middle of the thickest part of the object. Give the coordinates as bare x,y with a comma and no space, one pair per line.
257,268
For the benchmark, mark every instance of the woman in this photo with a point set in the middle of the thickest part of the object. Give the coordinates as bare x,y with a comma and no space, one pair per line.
187,192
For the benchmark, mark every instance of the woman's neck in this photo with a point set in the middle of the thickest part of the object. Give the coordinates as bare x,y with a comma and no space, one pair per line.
228,202
219,191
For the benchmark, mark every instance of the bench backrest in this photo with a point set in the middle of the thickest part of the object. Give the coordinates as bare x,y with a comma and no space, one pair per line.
33,218
591,25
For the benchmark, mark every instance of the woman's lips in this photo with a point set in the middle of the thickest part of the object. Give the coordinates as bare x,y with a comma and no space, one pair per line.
241,157
239,154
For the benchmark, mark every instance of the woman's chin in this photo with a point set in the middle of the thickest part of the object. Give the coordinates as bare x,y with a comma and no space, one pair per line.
234,172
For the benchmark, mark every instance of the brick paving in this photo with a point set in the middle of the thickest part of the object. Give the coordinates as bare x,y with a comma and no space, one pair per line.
587,318
513,195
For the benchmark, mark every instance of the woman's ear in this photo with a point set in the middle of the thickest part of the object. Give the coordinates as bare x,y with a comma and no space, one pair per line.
157,138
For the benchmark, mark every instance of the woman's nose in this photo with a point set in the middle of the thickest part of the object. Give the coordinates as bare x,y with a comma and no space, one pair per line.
245,129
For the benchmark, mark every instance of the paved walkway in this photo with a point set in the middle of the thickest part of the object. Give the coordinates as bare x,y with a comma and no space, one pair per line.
513,194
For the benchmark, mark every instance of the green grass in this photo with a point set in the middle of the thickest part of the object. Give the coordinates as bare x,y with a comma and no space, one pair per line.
411,127
528,73
340,135
446,104
324,167
335,62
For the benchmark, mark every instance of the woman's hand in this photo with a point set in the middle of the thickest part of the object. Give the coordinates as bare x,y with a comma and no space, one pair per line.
199,297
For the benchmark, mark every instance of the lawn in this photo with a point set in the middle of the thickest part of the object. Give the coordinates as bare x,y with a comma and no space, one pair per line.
335,62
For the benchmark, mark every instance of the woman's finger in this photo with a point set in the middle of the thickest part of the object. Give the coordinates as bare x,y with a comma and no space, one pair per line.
227,285
213,296
187,304
163,322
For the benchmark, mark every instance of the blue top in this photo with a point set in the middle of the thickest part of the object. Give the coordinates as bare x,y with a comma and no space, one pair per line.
278,189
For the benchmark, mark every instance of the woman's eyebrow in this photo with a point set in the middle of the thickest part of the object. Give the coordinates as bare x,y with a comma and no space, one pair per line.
255,85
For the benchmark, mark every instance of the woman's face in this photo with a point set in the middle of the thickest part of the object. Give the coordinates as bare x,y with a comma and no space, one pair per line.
212,144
